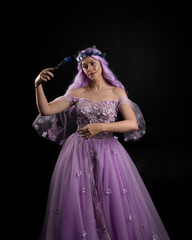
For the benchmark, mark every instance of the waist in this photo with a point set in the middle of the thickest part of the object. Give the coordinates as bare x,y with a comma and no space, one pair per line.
103,135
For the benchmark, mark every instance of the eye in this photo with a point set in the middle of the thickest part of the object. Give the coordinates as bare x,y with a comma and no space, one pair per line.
85,66
93,63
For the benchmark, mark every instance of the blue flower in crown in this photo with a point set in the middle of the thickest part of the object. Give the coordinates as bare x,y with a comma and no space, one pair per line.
88,53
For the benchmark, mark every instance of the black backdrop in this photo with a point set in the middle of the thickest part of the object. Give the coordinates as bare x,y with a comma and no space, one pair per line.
147,49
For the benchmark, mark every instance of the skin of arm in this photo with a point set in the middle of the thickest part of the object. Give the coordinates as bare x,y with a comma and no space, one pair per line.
128,124
47,108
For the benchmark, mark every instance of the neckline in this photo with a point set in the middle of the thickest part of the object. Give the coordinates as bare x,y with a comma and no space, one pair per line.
86,99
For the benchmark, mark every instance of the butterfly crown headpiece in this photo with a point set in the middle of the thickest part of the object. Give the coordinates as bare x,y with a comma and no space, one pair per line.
94,52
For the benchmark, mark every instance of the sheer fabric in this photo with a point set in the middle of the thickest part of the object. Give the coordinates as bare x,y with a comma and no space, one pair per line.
136,134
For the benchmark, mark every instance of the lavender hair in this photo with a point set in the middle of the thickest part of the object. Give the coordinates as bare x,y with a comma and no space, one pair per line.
81,80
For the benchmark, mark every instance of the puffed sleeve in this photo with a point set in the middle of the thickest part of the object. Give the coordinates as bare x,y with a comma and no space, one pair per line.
136,134
57,127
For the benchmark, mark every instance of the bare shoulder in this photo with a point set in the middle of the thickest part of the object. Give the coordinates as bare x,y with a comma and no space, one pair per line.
119,92
77,92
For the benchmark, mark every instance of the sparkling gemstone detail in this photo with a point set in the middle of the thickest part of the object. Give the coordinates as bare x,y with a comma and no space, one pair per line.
84,190
108,191
83,234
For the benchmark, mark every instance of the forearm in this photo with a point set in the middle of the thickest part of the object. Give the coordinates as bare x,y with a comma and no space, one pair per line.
41,101
120,126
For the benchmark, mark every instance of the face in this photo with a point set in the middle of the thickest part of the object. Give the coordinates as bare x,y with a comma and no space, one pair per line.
92,68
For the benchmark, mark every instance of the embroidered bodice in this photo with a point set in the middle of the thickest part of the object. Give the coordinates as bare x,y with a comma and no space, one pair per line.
95,112
88,112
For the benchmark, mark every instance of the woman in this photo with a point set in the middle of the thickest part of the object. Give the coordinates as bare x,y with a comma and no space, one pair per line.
96,192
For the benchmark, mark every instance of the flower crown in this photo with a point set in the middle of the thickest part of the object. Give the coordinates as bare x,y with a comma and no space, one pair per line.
87,53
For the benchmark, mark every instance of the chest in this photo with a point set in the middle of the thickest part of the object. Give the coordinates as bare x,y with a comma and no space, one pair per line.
102,111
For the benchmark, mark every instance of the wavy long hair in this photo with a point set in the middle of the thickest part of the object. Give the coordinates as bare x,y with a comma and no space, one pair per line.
81,80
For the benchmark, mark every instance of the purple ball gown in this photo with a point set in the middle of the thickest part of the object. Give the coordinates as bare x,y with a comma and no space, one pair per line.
96,192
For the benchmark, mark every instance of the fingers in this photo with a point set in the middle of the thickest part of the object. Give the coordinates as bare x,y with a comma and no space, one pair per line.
48,70
84,132
46,75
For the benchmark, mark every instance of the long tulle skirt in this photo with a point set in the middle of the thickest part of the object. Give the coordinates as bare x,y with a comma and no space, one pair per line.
96,193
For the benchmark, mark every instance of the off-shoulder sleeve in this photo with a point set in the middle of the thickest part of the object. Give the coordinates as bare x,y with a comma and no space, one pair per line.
59,126
136,134
66,98
123,100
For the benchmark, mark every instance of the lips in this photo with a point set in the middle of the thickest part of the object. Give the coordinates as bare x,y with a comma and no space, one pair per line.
91,74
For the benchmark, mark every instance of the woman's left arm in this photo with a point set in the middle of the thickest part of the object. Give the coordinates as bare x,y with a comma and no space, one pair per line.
128,124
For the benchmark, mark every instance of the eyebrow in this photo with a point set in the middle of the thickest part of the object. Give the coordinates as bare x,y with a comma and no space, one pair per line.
88,62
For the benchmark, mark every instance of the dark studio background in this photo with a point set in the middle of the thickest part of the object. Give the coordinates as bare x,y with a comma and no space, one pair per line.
147,49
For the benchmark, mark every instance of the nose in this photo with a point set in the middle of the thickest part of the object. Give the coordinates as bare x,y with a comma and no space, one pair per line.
89,68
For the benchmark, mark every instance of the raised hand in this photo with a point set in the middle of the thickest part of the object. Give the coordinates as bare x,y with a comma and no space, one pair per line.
45,75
